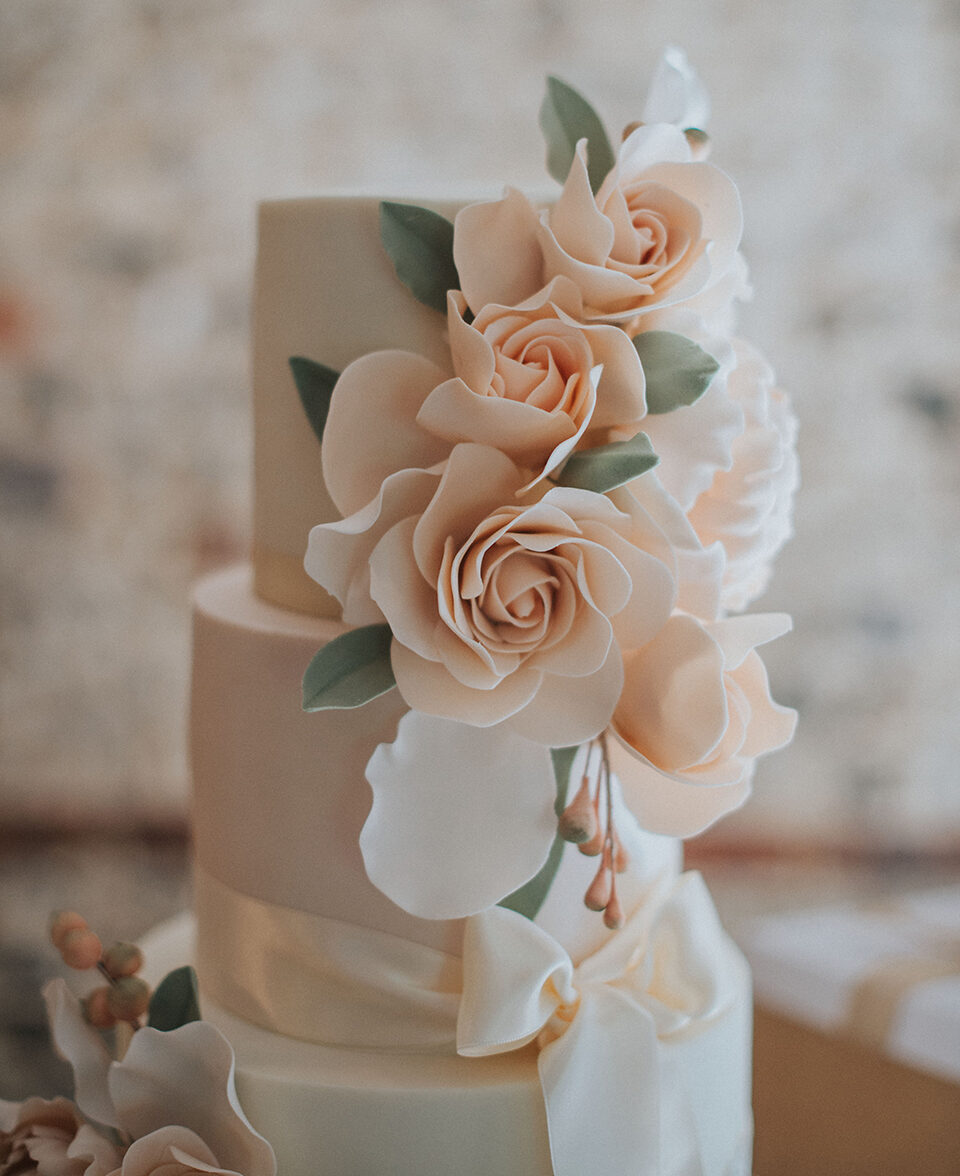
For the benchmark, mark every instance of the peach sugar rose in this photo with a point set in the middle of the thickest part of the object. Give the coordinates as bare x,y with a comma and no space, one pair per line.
661,230
531,381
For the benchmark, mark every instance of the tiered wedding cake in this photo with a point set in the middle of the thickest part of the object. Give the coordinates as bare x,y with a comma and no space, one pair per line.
440,913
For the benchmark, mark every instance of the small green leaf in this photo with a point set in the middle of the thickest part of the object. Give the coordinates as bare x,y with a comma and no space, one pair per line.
420,245
563,758
351,671
566,117
608,466
315,382
677,371
176,1001
528,900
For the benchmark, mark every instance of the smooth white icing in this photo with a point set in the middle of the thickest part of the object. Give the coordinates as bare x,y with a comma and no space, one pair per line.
324,289
331,1111
279,796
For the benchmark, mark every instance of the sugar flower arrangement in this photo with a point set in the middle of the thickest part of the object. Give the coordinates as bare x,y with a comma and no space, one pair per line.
548,543
154,1085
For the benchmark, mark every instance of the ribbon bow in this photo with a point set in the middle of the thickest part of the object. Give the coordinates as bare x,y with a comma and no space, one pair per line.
597,1023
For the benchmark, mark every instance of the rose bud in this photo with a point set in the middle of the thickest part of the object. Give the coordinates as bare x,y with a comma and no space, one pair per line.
96,1008
123,959
128,998
63,921
81,948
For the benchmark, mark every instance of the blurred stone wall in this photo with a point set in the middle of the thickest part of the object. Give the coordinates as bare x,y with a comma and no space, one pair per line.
136,137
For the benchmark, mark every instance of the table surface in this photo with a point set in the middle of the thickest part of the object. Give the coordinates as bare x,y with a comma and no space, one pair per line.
124,885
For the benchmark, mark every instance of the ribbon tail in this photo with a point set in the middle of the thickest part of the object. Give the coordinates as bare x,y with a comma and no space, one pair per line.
601,1089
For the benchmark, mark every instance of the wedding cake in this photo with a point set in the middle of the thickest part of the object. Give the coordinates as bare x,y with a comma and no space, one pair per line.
515,482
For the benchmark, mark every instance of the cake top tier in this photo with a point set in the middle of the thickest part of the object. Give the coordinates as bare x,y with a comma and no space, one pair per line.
324,288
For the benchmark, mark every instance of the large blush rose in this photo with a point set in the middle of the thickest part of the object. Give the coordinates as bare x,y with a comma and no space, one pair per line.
748,506
503,609
531,381
694,715
662,229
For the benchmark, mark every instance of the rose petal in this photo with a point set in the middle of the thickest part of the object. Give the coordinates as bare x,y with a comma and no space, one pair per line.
476,480
771,725
736,636
161,1150
474,806
186,1077
565,711
338,554
496,252
377,398
430,688
397,585
663,804
673,711
575,220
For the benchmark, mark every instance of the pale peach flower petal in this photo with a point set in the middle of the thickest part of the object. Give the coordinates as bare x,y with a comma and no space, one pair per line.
496,252
377,398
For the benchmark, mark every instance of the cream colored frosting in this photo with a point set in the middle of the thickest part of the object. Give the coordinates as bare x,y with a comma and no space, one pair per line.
279,796
324,289
329,1110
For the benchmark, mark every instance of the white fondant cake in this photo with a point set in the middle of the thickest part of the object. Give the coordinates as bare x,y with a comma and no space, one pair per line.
398,895
280,799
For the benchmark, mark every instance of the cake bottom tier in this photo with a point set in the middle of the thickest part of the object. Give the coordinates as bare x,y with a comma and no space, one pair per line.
348,1112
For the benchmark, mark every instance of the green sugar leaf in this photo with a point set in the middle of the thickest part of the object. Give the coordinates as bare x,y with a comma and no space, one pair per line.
176,1001
351,671
528,900
609,466
315,382
420,245
563,758
677,371
566,117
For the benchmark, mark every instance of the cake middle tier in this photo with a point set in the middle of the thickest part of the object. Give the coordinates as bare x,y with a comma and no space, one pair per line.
280,796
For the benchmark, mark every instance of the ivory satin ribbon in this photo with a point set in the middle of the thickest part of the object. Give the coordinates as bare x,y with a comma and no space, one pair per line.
322,980
597,1024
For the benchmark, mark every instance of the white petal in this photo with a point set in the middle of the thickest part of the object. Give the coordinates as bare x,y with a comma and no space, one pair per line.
371,431
82,1046
676,94
186,1078
461,816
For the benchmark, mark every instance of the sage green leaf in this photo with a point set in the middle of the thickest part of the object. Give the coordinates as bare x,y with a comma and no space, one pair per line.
677,371
351,671
420,245
528,900
608,466
563,758
176,1001
315,383
566,117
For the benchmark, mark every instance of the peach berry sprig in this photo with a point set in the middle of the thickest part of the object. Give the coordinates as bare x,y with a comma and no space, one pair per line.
126,996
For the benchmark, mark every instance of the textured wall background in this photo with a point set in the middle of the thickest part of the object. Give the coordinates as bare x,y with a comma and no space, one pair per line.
135,138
